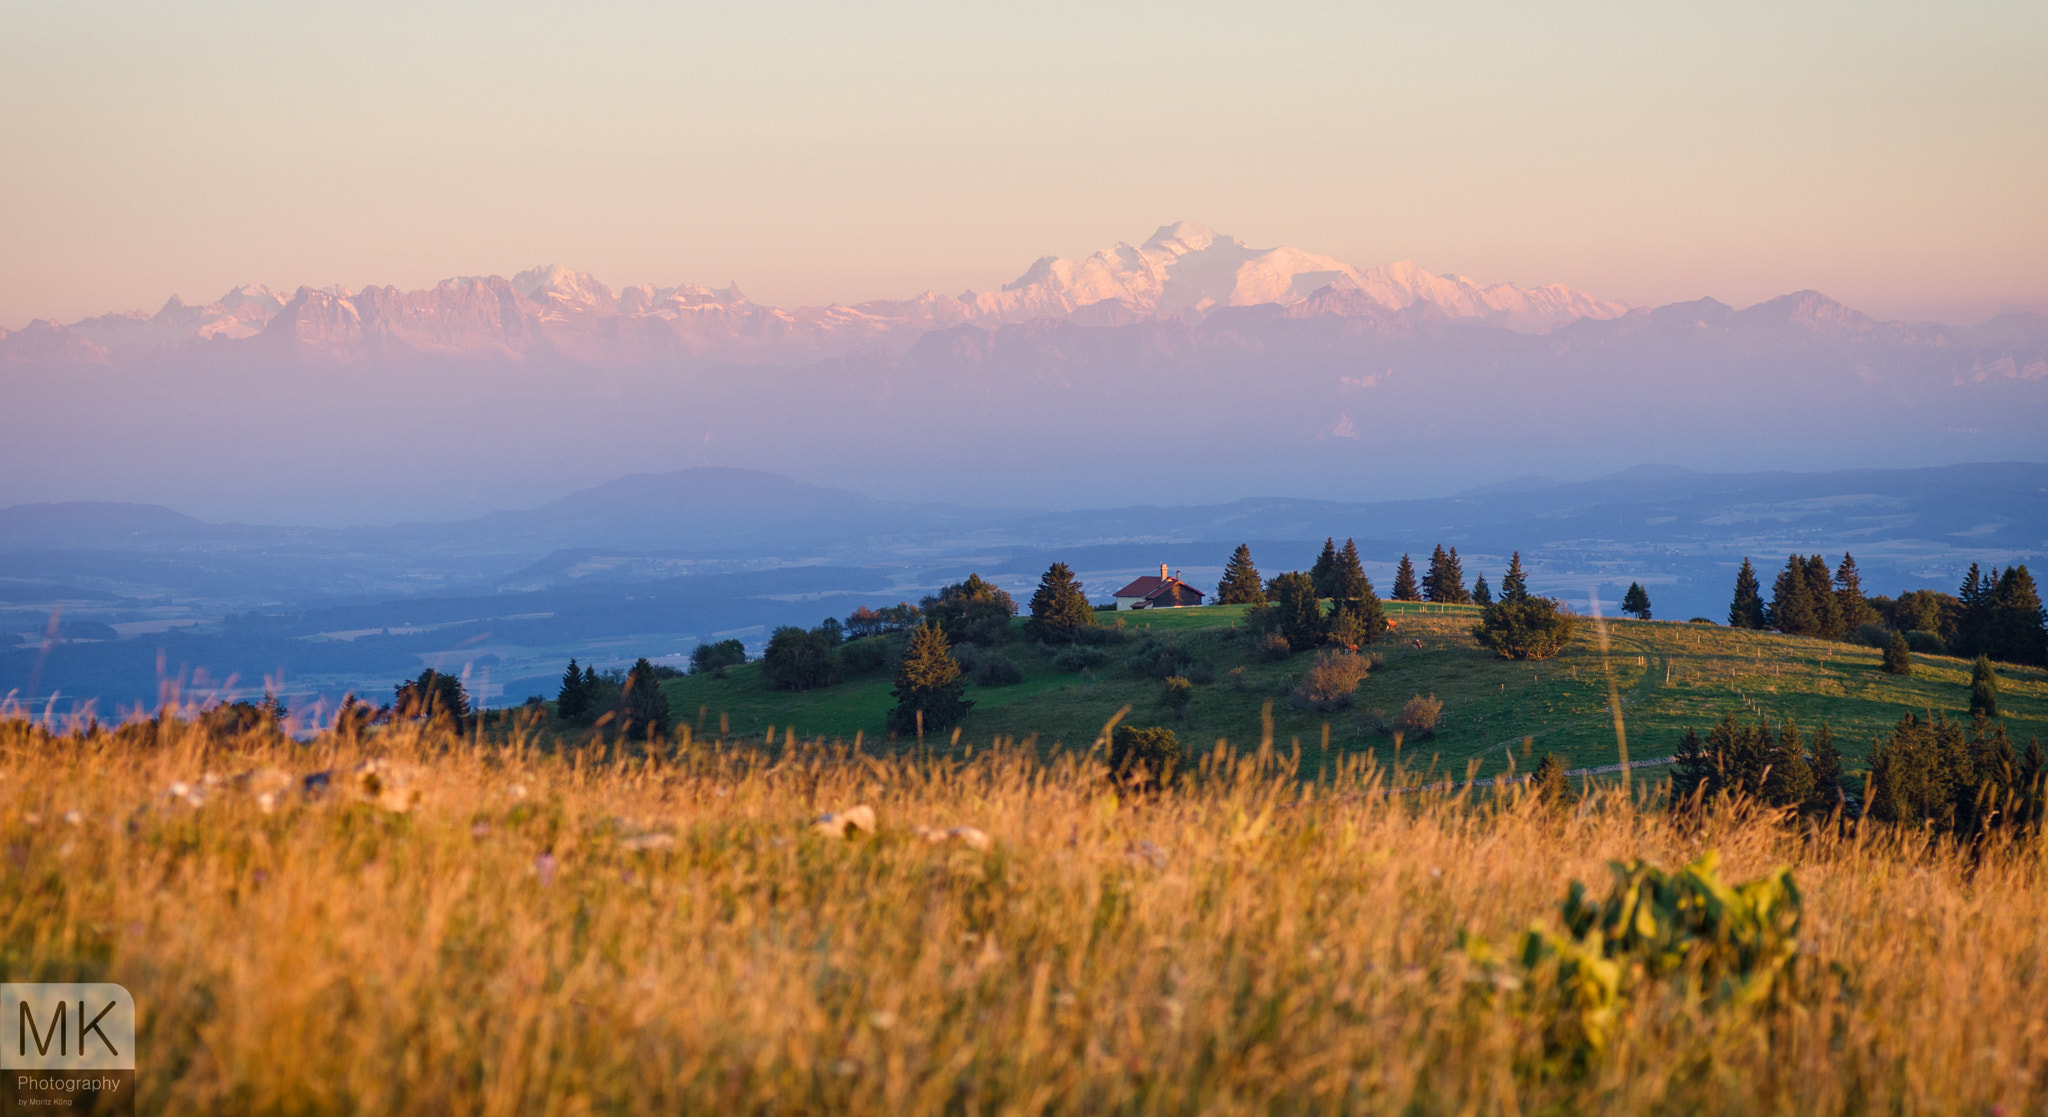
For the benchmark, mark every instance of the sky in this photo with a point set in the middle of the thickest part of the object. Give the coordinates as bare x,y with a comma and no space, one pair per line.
1892,155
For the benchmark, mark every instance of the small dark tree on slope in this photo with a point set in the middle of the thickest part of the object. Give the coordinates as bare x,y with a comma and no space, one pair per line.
572,701
974,611
1059,609
1323,573
1405,588
1529,628
1983,688
2016,630
928,681
1855,608
433,696
1549,783
1356,618
1747,610
1514,585
1241,584
1481,593
644,705
1299,611
1898,658
799,660
1636,602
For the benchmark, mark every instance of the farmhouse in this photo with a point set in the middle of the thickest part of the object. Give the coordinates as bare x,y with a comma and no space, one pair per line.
1162,592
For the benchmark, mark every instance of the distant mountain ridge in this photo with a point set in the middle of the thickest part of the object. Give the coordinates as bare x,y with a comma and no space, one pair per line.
555,312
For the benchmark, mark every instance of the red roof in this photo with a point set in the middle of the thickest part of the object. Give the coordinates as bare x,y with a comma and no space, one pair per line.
1142,587
1154,590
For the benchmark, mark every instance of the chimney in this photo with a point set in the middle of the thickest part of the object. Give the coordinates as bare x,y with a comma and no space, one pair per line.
1162,572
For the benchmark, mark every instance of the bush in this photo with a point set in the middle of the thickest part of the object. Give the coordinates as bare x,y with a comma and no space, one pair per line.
1330,684
1549,783
1275,647
1926,643
1898,658
714,658
1079,658
1527,628
1702,620
799,660
1420,715
1200,673
1157,659
1147,757
869,656
1871,635
1176,693
1103,634
995,669
1237,680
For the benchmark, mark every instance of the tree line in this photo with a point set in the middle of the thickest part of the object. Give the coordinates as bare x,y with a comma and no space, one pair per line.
1995,614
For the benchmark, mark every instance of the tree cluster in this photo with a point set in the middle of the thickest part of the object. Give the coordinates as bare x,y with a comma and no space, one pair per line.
1774,767
1935,772
1445,582
971,612
713,658
1294,604
1521,625
433,696
633,698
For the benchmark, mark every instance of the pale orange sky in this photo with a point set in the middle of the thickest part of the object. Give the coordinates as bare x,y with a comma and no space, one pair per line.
1892,155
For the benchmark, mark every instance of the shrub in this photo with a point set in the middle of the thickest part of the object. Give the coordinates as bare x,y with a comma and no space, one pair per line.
1079,658
714,658
1330,684
1176,693
1420,715
1926,643
1702,620
1147,757
869,656
1237,680
1898,658
1525,628
799,660
1200,673
1871,635
1275,647
1549,783
1156,659
995,669
1100,635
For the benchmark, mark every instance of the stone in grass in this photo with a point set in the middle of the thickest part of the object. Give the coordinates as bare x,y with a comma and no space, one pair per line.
969,836
844,824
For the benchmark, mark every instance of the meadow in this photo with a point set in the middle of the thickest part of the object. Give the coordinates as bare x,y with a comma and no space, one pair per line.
1497,712
453,923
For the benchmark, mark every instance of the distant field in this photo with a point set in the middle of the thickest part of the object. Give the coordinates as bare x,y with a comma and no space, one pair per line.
1669,676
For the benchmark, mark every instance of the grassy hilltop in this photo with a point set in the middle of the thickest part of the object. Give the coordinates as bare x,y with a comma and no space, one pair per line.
1669,676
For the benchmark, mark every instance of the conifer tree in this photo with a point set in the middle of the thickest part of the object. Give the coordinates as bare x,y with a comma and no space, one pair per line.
2015,628
1300,614
1405,588
1321,575
928,681
1433,582
1059,609
1898,658
1973,615
645,706
1820,590
1855,608
1356,617
1983,688
1825,759
1747,610
1791,607
1636,602
1549,782
1453,583
1790,780
1481,595
572,701
1514,585
1241,584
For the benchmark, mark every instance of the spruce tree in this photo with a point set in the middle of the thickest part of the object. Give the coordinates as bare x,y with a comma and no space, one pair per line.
1820,590
2015,628
1855,608
1825,760
1636,602
1453,583
1241,584
1356,617
1432,583
1299,612
1481,595
1322,574
1898,658
1791,608
572,701
1059,610
1405,588
646,707
1549,783
1790,781
1973,615
1514,585
928,681
1983,688
1747,610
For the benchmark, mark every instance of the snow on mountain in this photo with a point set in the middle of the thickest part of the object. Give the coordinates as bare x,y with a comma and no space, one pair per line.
557,313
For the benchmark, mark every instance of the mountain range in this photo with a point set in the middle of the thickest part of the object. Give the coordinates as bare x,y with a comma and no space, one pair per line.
553,312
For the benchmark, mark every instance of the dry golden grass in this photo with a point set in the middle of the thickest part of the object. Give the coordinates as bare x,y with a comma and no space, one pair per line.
548,933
